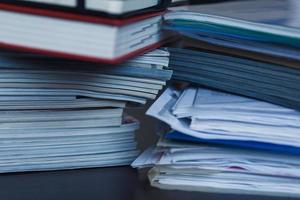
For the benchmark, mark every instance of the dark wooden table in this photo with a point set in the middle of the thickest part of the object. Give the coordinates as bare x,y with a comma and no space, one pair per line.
118,183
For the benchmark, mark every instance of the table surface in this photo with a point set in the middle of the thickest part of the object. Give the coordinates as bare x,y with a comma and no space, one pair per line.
118,183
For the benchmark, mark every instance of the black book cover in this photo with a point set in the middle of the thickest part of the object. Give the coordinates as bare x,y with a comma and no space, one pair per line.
80,8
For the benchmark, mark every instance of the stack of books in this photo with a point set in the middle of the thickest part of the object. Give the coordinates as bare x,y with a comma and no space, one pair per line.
220,142
61,100
62,114
251,52
234,125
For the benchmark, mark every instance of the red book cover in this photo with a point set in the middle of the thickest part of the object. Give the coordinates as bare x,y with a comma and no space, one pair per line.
114,61
83,18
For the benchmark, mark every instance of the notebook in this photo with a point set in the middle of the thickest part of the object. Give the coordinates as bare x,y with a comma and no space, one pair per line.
76,36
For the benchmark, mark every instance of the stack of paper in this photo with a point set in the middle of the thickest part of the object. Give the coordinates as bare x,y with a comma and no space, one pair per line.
205,168
248,48
212,115
253,51
24,75
62,114
266,81
254,26
263,160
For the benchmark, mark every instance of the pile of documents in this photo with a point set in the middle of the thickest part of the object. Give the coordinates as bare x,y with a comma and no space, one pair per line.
252,51
253,156
236,120
64,114
234,128
207,168
263,29
79,63
266,81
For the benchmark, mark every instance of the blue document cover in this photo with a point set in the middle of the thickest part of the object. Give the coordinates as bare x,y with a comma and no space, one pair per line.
244,144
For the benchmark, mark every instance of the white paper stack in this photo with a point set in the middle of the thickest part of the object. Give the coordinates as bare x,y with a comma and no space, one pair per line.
59,114
25,76
224,143
190,167
208,114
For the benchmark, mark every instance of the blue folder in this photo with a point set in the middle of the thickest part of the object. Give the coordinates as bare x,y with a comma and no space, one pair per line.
236,143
